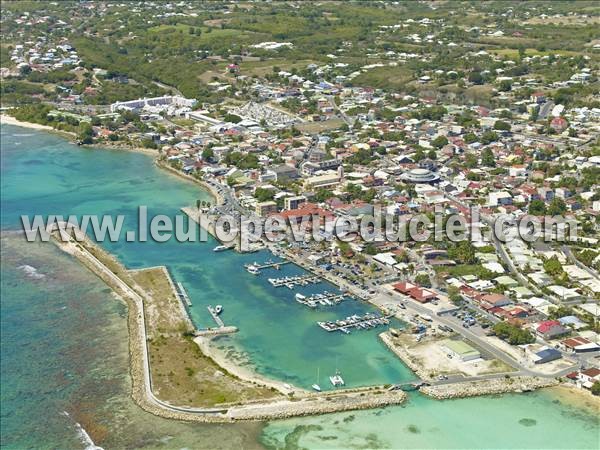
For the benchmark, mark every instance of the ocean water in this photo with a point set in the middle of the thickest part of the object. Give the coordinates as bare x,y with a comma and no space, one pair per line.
65,367
530,421
64,335
46,175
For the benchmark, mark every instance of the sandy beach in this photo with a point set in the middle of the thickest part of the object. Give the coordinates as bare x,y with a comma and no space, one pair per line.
579,398
9,120
242,372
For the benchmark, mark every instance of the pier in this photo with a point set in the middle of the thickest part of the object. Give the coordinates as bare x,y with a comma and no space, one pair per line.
255,267
324,299
215,315
292,282
365,322
181,292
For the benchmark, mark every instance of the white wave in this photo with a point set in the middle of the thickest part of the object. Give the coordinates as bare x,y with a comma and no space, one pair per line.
83,435
22,134
31,272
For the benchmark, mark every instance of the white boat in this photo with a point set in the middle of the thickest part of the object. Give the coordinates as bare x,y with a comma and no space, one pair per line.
220,248
316,386
253,270
300,296
218,309
337,379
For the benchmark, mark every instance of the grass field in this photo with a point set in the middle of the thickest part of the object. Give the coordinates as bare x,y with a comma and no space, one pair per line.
384,77
181,373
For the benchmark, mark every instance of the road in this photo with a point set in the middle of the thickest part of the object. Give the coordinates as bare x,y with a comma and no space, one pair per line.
347,120
478,340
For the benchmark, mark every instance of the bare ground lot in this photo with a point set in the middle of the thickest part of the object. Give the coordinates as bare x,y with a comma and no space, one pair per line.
432,359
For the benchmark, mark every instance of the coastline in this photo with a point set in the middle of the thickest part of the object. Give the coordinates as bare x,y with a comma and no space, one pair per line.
107,268
10,120
577,397
242,372
152,407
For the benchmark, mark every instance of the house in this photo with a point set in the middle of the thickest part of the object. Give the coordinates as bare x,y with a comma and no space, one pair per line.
559,124
494,300
263,209
293,202
415,292
499,198
589,376
538,97
550,329
285,172
545,355
580,344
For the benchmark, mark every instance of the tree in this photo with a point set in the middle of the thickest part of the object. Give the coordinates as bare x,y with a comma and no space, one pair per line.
488,137
553,266
513,334
596,388
208,154
454,295
537,208
86,134
463,252
439,141
476,78
505,86
487,158
423,280
557,207
370,249
502,125
263,195
470,138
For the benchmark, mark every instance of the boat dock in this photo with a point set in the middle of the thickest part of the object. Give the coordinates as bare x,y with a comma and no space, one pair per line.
257,267
323,299
292,282
181,292
215,316
359,322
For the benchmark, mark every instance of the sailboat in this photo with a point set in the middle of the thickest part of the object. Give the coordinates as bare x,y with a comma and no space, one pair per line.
316,386
336,379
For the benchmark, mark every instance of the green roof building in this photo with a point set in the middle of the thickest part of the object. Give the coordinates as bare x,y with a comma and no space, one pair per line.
461,350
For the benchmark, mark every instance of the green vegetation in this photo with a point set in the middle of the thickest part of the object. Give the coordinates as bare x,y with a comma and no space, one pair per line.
513,334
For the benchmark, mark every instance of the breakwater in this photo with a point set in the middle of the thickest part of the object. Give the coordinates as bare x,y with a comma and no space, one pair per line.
491,386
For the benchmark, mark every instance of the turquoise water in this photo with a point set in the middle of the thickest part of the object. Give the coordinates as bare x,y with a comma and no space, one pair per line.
532,421
278,335
64,350
64,337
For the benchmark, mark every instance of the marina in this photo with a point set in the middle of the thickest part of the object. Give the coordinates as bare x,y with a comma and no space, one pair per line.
181,292
365,322
292,282
255,267
325,298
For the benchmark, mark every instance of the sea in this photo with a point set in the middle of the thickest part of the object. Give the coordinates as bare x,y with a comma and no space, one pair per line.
64,360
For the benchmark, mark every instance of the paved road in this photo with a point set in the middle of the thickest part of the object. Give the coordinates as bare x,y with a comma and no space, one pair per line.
472,336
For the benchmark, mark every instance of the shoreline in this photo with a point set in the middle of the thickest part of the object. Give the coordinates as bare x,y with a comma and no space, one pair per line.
10,120
243,373
304,404
158,409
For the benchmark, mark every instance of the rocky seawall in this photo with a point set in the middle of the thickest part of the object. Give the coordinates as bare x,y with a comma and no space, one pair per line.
96,260
403,355
487,387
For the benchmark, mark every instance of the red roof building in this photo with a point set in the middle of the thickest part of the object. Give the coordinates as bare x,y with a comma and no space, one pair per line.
550,329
